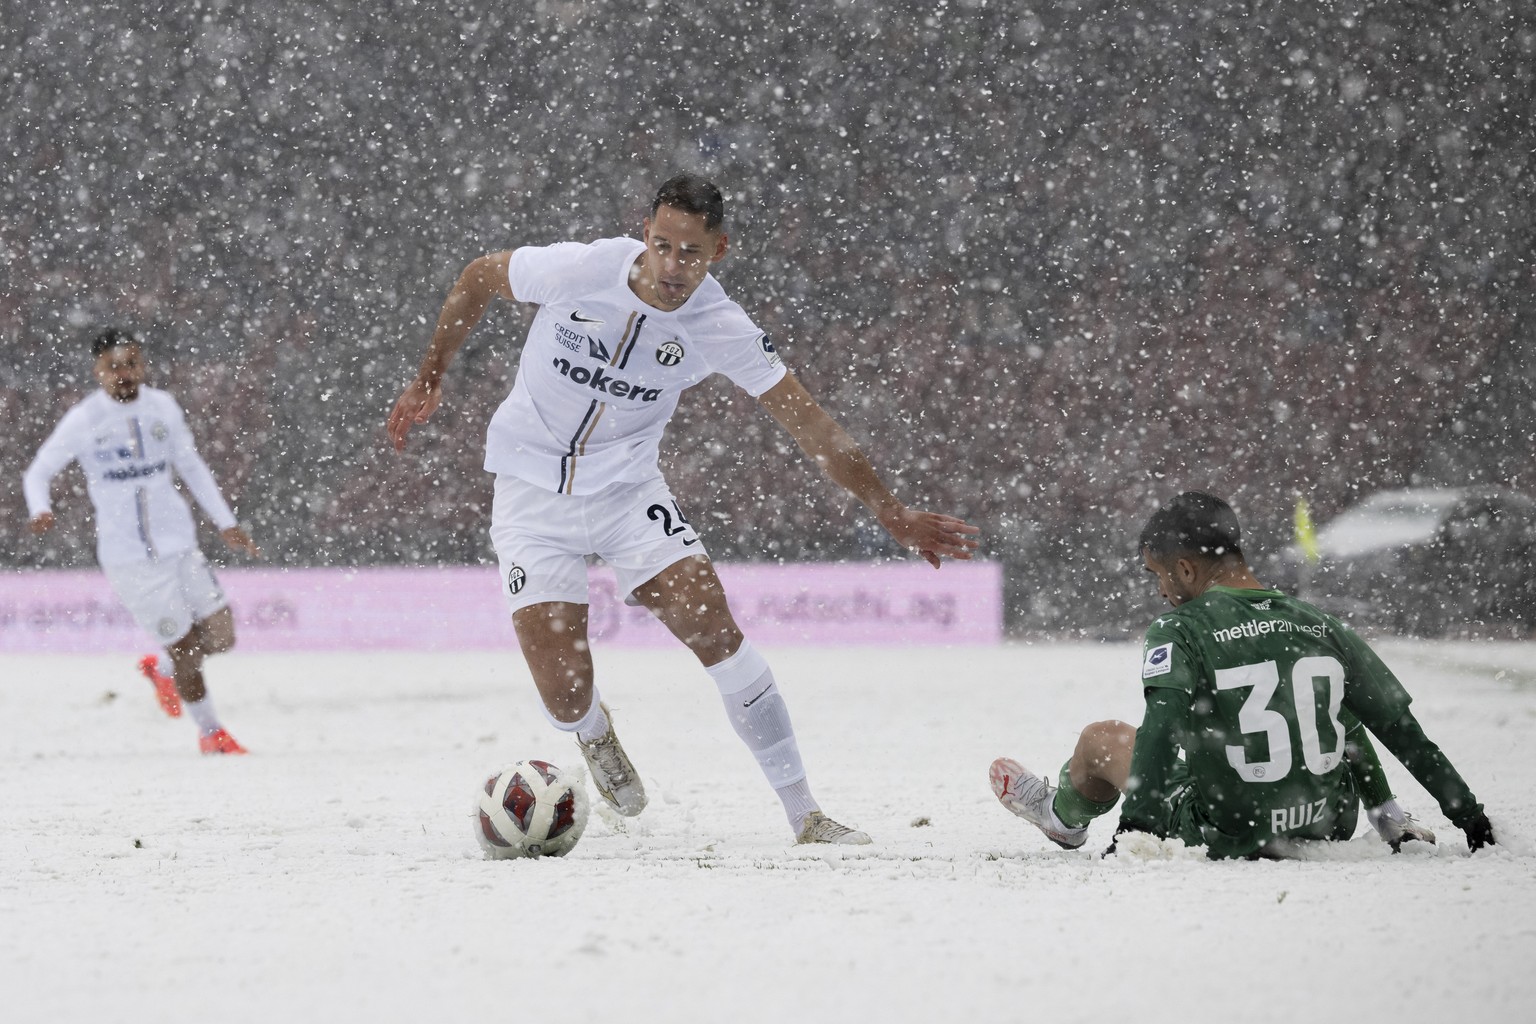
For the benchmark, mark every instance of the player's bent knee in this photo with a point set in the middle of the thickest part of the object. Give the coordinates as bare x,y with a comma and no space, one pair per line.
215,634
713,645
1106,736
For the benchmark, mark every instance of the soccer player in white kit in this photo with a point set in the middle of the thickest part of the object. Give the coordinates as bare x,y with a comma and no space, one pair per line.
129,439
624,326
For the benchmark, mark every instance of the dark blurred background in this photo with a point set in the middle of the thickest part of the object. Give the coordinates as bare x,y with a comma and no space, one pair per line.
1050,265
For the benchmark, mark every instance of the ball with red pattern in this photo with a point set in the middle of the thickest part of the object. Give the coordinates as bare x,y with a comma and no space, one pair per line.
530,809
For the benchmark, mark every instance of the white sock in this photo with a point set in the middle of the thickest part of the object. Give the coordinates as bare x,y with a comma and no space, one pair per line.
203,714
798,802
760,717
1390,811
589,726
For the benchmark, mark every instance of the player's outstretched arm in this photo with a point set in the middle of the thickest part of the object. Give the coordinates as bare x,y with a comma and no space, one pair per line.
237,539
483,280
1479,833
930,534
50,461
1434,771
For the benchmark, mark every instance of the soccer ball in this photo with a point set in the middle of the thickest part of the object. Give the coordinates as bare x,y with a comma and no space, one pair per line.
530,809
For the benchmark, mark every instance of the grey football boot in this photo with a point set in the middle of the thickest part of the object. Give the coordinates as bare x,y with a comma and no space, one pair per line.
818,828
613,775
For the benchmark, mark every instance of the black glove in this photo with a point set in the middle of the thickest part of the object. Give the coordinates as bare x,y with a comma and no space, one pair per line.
1114,842
1479,833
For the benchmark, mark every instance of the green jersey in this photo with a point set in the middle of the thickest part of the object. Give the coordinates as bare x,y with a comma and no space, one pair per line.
1272,687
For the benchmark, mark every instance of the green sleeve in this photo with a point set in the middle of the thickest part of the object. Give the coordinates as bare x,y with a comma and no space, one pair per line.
1153,761
1406,739
1364,764
1373,691
1169,660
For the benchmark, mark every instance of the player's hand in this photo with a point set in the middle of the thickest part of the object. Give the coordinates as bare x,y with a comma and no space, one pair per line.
416,403
1114,841
41,523
237,539
1479,833
934,536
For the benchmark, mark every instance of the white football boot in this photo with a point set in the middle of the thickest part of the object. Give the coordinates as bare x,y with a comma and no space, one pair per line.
613,776
1396,826
818,828
1029,796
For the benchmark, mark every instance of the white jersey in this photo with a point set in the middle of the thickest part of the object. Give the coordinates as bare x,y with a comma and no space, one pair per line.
128,451
601,371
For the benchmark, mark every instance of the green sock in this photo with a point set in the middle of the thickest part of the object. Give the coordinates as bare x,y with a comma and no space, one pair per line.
1072,808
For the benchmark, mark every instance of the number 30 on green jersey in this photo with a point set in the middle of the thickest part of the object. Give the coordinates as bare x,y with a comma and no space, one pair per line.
1257,717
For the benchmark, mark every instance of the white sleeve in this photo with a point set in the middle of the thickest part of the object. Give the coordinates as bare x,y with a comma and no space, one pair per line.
742,351
544,273
194,472
56,453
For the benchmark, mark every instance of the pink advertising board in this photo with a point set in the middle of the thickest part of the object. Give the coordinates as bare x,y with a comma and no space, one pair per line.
460,608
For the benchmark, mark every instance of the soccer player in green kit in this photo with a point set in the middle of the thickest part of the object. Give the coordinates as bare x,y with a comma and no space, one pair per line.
1268,697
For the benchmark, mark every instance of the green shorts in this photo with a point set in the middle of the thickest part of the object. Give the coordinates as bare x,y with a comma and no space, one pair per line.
1187,817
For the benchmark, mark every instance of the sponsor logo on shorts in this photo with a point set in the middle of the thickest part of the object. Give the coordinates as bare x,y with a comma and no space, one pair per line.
1159,661
167,628
661,514
517,578
159,431
670,354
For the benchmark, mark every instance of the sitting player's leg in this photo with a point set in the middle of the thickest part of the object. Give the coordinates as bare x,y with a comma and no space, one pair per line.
1394,825
1090,784
553,637
688,599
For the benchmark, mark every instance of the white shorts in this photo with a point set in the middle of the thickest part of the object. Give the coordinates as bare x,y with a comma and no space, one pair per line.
545,541
166,597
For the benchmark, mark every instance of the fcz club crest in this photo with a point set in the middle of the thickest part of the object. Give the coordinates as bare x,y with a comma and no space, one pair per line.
670,354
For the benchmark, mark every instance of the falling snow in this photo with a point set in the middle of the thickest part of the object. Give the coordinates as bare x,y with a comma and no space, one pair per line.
1049,264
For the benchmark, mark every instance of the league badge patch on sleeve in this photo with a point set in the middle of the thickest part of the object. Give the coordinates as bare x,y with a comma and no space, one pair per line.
1159,661
768,350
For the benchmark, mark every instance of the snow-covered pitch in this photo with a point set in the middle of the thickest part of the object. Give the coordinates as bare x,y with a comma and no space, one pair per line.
332,875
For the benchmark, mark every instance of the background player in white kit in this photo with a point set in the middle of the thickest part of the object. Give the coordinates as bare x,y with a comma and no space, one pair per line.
624,326
128,438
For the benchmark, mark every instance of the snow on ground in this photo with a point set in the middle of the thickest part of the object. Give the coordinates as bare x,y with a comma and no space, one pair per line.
332,874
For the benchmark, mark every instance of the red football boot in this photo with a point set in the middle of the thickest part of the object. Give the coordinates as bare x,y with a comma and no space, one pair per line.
219,742
165,686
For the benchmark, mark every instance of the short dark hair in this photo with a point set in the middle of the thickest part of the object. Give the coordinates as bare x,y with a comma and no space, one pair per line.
692,193
111,338
1193,524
